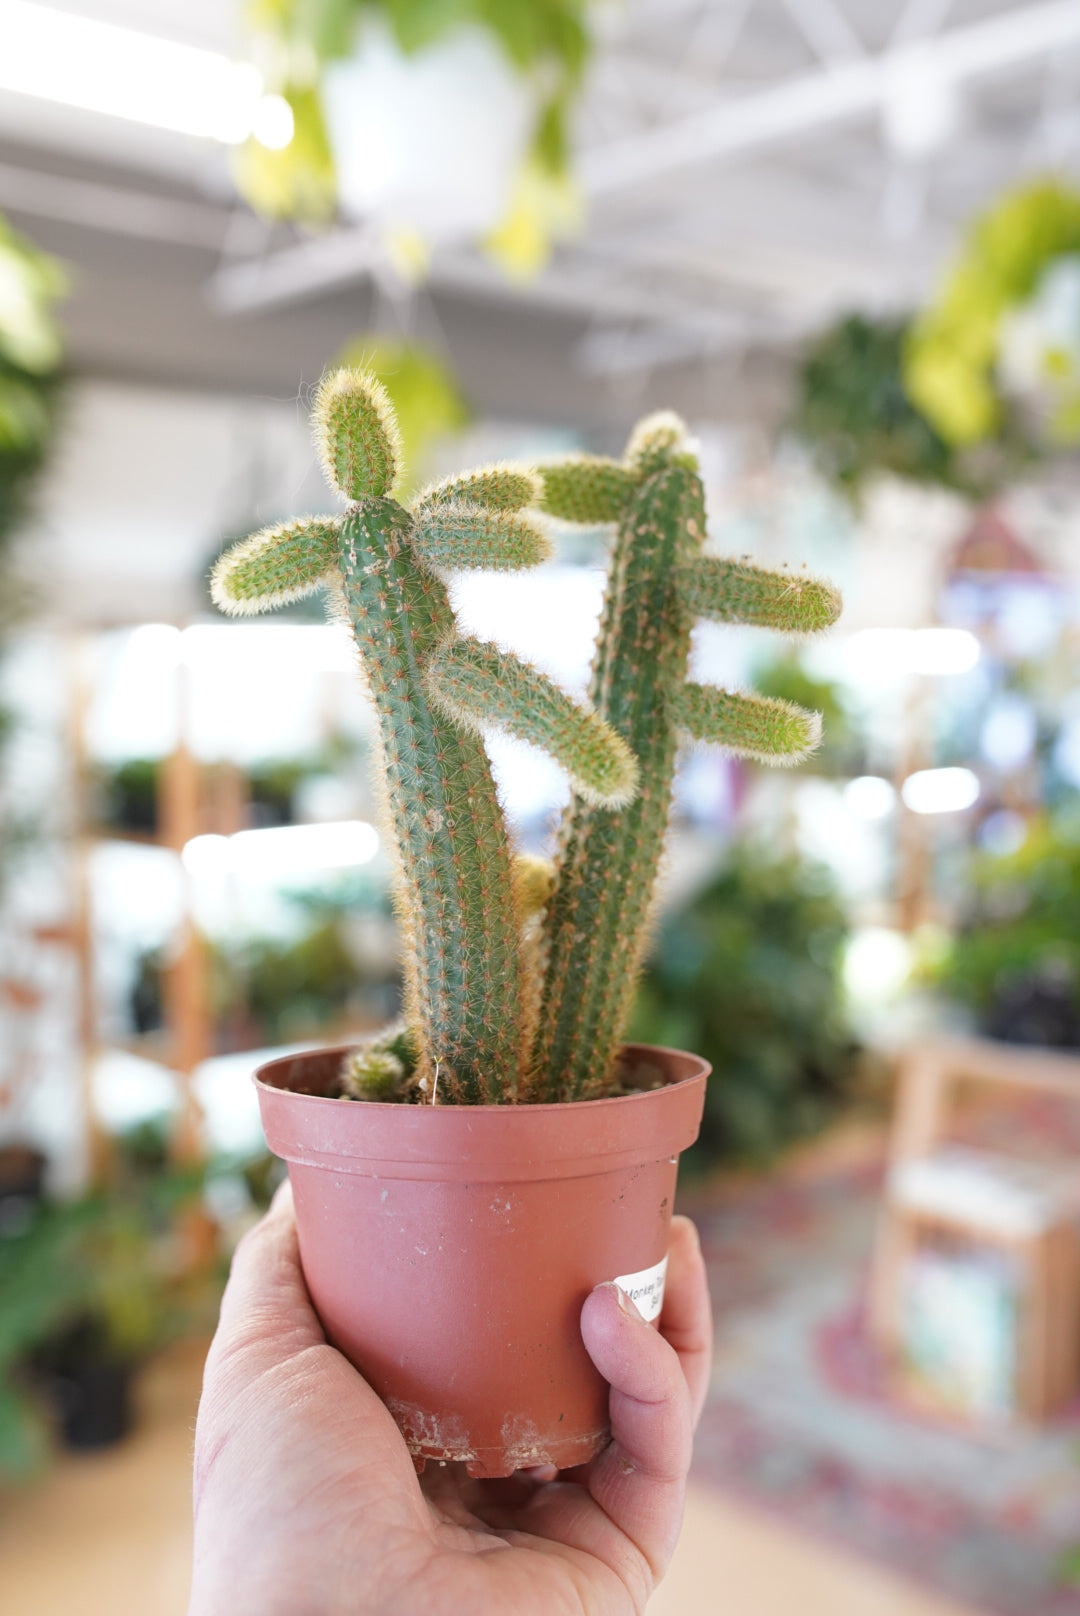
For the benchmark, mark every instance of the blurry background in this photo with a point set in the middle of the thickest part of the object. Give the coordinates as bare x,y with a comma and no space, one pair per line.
842,238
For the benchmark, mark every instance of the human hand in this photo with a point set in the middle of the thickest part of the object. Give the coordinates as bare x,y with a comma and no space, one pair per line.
307,1503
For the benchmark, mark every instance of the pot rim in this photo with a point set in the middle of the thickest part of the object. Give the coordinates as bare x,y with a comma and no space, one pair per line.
483,1143
703,1068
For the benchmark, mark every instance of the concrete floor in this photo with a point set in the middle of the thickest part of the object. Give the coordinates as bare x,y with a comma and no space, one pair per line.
108,1535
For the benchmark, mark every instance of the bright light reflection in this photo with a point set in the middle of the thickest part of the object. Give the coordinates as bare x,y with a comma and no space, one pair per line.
881,656
281,852
870,797
877,963
272,122
303,647
940,791
223,649
100,67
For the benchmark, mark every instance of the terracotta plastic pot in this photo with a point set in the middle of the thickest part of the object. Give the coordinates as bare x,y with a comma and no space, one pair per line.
448,1249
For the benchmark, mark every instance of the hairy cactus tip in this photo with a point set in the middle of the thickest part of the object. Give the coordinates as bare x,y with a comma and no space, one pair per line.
381,1069
276,565
501,487
357,435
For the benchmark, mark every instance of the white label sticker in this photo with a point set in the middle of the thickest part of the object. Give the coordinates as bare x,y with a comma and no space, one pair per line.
645,1290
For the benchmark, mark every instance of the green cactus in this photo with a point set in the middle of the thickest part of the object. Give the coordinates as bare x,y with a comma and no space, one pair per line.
466,998
519,976
659,582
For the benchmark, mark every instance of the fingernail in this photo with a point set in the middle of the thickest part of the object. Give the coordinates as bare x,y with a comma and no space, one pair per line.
629,1306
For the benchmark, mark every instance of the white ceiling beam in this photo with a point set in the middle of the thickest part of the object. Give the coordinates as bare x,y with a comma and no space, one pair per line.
825,29
572,286
832,96
120,211
292,274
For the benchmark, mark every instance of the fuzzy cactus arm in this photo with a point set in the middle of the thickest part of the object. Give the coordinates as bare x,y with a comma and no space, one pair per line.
607,861
482,688
729,591
759,727
495,488
587,489
275,566
357,435
466,537
453,884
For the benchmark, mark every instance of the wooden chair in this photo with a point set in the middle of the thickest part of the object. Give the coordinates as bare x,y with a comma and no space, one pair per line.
1029,1211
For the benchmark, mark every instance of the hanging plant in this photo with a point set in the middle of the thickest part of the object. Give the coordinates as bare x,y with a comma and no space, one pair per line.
30,351
1002,340
853,413
857,418
436,122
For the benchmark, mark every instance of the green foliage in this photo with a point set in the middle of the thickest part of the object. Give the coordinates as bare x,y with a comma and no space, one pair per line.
30,356
1022,925
126,795
608,859
748,975
297,181
106,1262
954,346
853,412
288,988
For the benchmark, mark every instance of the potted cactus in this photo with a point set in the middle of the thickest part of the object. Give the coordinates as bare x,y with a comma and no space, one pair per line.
508,1152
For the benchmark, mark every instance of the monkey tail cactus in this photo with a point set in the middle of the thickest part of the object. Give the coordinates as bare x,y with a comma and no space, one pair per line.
458,899
609,855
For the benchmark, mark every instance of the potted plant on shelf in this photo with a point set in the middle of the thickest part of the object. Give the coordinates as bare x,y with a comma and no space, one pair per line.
510,1153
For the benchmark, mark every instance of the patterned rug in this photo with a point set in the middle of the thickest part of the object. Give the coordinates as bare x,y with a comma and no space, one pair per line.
799,1419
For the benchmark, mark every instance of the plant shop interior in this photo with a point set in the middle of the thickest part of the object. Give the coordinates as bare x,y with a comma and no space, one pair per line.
840,240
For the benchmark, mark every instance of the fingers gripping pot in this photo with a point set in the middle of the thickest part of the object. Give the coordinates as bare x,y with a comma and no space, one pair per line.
448,1249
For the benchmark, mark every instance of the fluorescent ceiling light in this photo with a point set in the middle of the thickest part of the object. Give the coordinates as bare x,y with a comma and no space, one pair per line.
283,851
100,67
940,791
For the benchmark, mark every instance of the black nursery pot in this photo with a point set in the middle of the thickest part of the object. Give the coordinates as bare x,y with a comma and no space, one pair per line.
89,1387
95,1403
